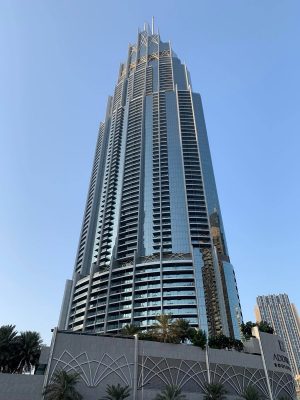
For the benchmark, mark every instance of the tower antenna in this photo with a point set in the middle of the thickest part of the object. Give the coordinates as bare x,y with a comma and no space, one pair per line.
152,27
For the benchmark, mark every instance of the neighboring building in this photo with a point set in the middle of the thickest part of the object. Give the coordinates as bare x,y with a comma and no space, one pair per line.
283,317
152,238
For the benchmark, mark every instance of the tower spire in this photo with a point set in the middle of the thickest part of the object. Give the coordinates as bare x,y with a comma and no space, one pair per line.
152,26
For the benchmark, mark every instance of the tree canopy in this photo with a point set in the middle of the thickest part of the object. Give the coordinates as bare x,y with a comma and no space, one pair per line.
170,392
19,352
116,392
263,326
62,386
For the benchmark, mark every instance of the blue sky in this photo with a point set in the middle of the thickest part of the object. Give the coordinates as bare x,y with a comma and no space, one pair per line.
59,62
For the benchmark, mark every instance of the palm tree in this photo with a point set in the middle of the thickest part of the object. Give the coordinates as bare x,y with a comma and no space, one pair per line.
163,329
62,386
183,329
251,393
214,391
170,392
130,330
29,349
8,337
116,392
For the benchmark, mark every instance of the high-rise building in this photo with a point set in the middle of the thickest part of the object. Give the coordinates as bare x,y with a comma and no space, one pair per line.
152,239
283,317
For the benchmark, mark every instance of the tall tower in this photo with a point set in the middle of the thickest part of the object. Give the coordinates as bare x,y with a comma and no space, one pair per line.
152,239
283,317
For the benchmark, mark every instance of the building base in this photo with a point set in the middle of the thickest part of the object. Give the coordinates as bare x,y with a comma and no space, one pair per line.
147,367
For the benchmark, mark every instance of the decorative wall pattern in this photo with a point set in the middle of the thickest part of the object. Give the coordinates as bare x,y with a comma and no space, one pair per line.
237,379
282,385
148,366
155,372
92,371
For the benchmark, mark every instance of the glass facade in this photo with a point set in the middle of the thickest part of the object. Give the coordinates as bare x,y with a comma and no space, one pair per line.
234,301
152,239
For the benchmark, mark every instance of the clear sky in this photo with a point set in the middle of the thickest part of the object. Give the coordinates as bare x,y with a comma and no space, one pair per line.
59,62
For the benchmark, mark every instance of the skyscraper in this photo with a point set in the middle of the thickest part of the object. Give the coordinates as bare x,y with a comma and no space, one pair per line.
152,239
283,317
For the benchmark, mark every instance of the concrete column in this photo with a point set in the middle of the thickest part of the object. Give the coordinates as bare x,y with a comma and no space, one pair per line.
136,366
256,333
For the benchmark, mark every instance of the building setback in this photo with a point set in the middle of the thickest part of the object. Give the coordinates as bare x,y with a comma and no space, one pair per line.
152,238
283,317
